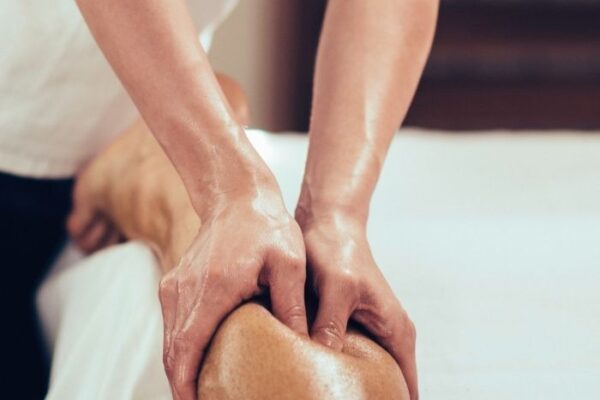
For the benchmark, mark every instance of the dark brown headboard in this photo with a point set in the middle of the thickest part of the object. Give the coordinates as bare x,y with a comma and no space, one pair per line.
515,64
512,64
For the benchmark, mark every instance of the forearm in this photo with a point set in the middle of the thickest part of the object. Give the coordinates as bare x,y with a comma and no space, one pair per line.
370,59
152,45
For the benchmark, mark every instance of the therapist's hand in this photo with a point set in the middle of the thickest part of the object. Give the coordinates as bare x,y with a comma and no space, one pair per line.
246,244
350,285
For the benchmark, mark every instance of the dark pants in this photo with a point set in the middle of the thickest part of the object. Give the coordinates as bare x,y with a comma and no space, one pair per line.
32,230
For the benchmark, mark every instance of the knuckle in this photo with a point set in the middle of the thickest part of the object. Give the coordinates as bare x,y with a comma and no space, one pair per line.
296,261
217,277
294,312
288,257
385,321
397,326
384,328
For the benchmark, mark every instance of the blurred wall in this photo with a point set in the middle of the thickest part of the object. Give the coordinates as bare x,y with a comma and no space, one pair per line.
269,47
251,46
518,64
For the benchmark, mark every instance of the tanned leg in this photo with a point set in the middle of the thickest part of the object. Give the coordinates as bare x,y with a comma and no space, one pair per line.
252,355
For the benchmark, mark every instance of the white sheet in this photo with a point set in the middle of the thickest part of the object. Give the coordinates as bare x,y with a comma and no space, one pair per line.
491,241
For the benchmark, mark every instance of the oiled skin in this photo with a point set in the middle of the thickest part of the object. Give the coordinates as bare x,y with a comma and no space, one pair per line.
370,58
252,354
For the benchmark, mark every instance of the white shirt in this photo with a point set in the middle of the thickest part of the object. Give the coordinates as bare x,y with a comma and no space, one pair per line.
60,102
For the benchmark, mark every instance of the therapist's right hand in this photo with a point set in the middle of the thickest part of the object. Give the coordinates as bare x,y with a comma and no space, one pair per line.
246,245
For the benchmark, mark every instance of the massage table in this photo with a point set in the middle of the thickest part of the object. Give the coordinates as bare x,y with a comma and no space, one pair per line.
490,240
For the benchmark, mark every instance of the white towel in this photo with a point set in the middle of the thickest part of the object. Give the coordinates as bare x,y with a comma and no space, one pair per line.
492,243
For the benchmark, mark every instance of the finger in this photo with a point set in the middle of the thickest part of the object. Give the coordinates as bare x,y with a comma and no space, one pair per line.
189,293
408,366
92,238
286,287
401,347
168,296
189,344
335,308
398,337
176,309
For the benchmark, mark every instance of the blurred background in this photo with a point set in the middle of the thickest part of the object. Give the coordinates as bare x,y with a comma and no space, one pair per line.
516,64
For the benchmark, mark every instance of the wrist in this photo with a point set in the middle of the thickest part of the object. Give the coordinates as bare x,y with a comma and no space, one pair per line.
220,168
317,203
314,211
251,185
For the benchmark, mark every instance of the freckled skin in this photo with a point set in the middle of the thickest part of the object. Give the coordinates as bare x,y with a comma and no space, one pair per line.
252,354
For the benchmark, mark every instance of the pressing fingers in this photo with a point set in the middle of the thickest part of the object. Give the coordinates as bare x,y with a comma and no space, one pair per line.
189,346
286,287
397,334
335,308
202,303
404,354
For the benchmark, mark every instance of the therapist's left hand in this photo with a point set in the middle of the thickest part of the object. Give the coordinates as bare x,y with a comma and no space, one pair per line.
350,285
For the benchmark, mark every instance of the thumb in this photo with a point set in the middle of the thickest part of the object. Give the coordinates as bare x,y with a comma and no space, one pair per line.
330,325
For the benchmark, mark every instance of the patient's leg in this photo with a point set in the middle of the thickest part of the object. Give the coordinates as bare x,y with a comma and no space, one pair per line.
252,355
